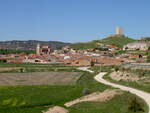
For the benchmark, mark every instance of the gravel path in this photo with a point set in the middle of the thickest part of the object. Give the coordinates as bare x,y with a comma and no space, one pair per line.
141,94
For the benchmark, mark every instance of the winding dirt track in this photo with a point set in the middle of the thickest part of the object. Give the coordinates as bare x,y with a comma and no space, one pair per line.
145,96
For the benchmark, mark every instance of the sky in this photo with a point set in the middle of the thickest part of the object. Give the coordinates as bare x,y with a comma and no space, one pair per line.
72,20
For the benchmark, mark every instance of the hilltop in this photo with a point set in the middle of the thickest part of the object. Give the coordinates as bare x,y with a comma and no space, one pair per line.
118,40
30,44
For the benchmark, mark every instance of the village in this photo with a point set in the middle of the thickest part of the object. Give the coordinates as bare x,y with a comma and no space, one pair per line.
90,57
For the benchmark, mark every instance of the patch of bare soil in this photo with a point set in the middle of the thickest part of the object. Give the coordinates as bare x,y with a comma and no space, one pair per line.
125,76
57,109
96,97
39,78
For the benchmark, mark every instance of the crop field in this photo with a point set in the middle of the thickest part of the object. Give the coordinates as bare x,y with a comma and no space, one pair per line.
39,78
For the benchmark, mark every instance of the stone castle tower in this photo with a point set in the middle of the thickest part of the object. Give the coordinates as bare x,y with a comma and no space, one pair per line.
119,31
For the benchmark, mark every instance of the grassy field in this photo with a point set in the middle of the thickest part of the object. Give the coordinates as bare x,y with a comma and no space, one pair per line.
34,99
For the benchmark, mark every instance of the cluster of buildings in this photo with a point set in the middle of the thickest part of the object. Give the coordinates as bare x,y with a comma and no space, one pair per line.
69,56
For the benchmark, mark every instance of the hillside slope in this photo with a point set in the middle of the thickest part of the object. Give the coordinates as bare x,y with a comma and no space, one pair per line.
118,40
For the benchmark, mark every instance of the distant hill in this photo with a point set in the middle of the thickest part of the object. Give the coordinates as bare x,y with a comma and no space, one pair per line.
118,40
30,44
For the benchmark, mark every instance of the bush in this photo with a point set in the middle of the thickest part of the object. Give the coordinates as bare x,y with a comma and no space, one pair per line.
86,91
135,105
116,69
22,70
142,73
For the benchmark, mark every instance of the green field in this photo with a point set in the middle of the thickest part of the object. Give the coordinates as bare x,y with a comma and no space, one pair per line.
34,99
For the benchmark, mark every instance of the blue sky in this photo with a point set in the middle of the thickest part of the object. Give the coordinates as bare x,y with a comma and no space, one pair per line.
72,20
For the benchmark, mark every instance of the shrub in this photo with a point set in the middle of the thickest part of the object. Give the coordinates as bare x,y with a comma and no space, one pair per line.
116,69
86,91
22,70
135,105
142,73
